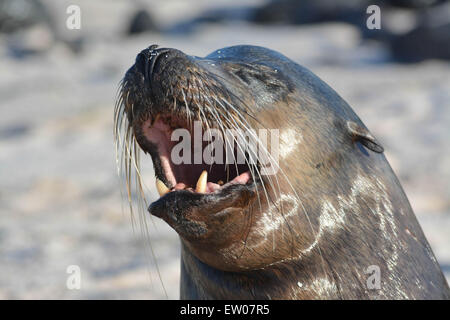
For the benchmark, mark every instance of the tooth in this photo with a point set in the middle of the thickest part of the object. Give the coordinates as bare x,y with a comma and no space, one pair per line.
161,187
201,183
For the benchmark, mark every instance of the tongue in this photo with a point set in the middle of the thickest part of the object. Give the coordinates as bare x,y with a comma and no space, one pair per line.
242,179
180,186
211,187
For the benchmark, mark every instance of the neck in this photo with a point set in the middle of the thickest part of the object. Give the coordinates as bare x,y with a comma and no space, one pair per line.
280,281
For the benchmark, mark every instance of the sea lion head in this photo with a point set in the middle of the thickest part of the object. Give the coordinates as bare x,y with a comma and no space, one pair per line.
246,214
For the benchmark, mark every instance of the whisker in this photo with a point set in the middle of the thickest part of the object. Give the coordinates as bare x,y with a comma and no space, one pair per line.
127,156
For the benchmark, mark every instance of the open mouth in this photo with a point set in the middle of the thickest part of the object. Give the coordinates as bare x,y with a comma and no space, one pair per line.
189,174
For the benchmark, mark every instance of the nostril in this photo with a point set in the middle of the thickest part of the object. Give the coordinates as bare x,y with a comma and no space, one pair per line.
154,57
146,59
140,62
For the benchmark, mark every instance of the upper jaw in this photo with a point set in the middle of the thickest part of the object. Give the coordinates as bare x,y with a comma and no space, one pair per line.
156,109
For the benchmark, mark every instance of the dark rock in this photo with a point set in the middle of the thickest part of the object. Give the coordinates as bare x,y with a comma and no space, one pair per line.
14,131
423,42
430,39
141,22
305,11
414,3
21,14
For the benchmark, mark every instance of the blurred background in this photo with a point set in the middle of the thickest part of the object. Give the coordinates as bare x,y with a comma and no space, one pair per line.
60,201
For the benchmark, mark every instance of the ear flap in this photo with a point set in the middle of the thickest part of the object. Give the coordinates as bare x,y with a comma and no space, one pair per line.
363,135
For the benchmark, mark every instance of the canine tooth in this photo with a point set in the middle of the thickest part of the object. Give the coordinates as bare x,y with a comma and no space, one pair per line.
161,187
201,183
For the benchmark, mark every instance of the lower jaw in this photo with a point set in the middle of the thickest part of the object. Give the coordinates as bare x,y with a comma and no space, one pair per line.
182,208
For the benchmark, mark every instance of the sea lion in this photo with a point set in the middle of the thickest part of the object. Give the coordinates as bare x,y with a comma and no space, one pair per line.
332,222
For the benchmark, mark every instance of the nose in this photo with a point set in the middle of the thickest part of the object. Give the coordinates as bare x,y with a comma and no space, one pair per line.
147,59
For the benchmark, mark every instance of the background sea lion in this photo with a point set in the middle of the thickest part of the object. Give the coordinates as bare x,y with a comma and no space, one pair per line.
332,212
